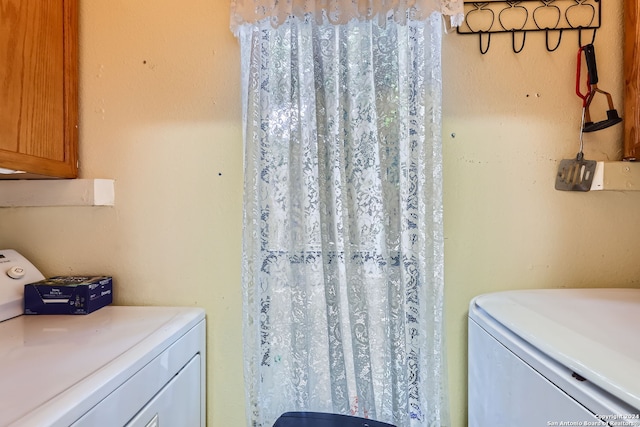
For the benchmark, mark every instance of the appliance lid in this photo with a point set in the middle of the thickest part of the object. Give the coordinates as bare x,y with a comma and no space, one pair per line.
590,331
49,359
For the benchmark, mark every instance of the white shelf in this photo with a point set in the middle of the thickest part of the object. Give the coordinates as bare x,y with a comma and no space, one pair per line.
57,192
616,176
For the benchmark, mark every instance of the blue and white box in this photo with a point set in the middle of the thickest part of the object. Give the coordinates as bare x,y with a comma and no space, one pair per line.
68,295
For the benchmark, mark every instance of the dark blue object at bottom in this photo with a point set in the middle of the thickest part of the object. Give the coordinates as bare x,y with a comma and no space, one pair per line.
318,419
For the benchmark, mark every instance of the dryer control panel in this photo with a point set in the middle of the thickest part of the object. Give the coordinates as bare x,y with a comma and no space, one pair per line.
15,272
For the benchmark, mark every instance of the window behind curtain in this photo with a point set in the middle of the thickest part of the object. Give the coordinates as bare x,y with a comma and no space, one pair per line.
343,263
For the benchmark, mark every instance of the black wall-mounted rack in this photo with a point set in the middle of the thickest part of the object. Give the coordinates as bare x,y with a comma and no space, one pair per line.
521,16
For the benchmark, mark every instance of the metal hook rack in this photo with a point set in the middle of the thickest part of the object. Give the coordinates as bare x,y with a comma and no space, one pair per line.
521,16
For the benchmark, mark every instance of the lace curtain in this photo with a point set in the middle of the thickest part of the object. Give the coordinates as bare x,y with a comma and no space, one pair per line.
341,11
343,244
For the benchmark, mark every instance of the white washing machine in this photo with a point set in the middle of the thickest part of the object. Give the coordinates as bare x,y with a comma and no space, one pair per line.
555,357
118,366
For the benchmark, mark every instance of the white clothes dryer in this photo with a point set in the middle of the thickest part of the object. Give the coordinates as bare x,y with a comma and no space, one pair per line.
118,366
554,357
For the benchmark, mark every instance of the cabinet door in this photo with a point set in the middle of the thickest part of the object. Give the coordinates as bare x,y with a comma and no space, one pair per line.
632,80
38,82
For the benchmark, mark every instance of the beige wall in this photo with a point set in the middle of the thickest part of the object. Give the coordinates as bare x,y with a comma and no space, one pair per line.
160,114
514,117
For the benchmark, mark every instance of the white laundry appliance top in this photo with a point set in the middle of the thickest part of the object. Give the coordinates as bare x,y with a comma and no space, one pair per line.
591,331
50,363
55,368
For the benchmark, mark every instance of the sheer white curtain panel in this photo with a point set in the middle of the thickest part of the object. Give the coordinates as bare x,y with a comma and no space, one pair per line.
342,269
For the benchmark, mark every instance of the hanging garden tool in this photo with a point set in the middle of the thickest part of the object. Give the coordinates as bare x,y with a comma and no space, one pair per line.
612,114
577,174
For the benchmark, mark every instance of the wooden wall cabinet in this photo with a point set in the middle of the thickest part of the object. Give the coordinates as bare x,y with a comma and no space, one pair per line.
39,87
631,80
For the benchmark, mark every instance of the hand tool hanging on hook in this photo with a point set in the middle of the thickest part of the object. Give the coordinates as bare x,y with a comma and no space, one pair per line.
592,85
577,174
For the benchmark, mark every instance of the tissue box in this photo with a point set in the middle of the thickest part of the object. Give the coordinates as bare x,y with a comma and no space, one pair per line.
68,295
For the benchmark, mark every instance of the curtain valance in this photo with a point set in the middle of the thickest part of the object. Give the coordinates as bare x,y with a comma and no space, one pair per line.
341,11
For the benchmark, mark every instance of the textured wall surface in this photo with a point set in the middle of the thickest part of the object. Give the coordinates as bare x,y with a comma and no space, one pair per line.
161,114
508,121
